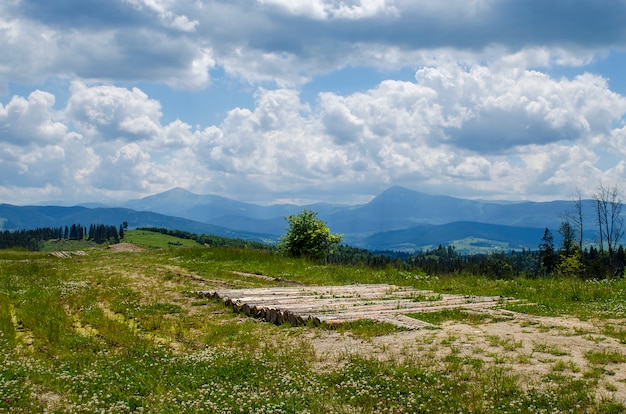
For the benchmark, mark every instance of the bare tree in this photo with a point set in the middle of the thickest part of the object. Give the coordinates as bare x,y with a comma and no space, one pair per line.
577,218
572,224
610,221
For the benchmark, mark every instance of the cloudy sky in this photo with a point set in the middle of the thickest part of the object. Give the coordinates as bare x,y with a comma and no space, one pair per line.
302,100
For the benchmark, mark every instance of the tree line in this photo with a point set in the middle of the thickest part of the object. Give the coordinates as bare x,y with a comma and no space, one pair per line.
605,258
310,237
208,239
572,258
34,239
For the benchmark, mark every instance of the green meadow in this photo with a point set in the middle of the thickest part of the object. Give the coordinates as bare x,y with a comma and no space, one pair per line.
118,331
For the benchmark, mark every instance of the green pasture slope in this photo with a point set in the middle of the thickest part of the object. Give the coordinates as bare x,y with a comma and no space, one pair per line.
119,332
150,239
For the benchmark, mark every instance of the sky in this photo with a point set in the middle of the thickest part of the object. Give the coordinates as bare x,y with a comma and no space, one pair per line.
275,101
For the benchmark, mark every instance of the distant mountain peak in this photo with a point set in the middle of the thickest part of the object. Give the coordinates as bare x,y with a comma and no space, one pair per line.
177,191
397,191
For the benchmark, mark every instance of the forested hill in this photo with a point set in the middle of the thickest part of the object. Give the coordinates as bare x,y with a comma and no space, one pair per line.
33,217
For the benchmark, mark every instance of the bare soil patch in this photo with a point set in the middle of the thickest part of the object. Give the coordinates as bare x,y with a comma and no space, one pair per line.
532,347
125,247
268,278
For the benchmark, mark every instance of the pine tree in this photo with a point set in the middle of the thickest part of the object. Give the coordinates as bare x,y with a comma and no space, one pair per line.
547,255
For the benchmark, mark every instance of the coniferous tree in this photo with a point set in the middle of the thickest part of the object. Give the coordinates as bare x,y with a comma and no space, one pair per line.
548,257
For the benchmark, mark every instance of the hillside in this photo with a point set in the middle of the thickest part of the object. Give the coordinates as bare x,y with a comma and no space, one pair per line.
30,217
397,218
485,237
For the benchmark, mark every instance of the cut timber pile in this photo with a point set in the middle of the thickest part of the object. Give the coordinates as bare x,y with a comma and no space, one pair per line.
338,304
67,255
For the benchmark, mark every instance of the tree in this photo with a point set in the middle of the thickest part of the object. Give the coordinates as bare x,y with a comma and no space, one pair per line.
571,266
577,218
569,256
569,234
574,220
610,222
548,258
307,236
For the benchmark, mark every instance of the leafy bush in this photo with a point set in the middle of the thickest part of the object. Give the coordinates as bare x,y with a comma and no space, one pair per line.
307,236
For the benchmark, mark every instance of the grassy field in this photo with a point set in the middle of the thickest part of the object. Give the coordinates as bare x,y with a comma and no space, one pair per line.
125,332
154,240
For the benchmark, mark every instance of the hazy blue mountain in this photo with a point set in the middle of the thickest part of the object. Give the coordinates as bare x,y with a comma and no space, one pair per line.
206,208
396,208
397,218
471,233
30,217
399,208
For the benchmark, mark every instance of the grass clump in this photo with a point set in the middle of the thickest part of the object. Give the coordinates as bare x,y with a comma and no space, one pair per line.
457,315
615,332
364,328
553,350
604,357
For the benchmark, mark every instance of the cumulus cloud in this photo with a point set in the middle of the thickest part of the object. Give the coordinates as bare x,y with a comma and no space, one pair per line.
109,112
440,131
105,42
325,10
167,16
454,128
286,42
31,120
484,114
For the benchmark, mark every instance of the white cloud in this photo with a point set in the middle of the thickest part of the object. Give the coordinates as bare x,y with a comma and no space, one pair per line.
483,114
24,121
37,45
109,112
288,42
438,133
165,14
326,10
485,110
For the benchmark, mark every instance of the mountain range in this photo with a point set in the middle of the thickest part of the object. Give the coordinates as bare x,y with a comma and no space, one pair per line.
396,219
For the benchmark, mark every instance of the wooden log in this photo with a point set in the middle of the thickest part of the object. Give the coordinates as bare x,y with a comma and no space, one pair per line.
291,317
322,291
248,309
407,322
335,304
305,291
279,320
271,315
322,306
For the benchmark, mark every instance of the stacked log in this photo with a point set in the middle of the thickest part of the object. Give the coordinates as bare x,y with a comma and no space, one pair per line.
338,304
